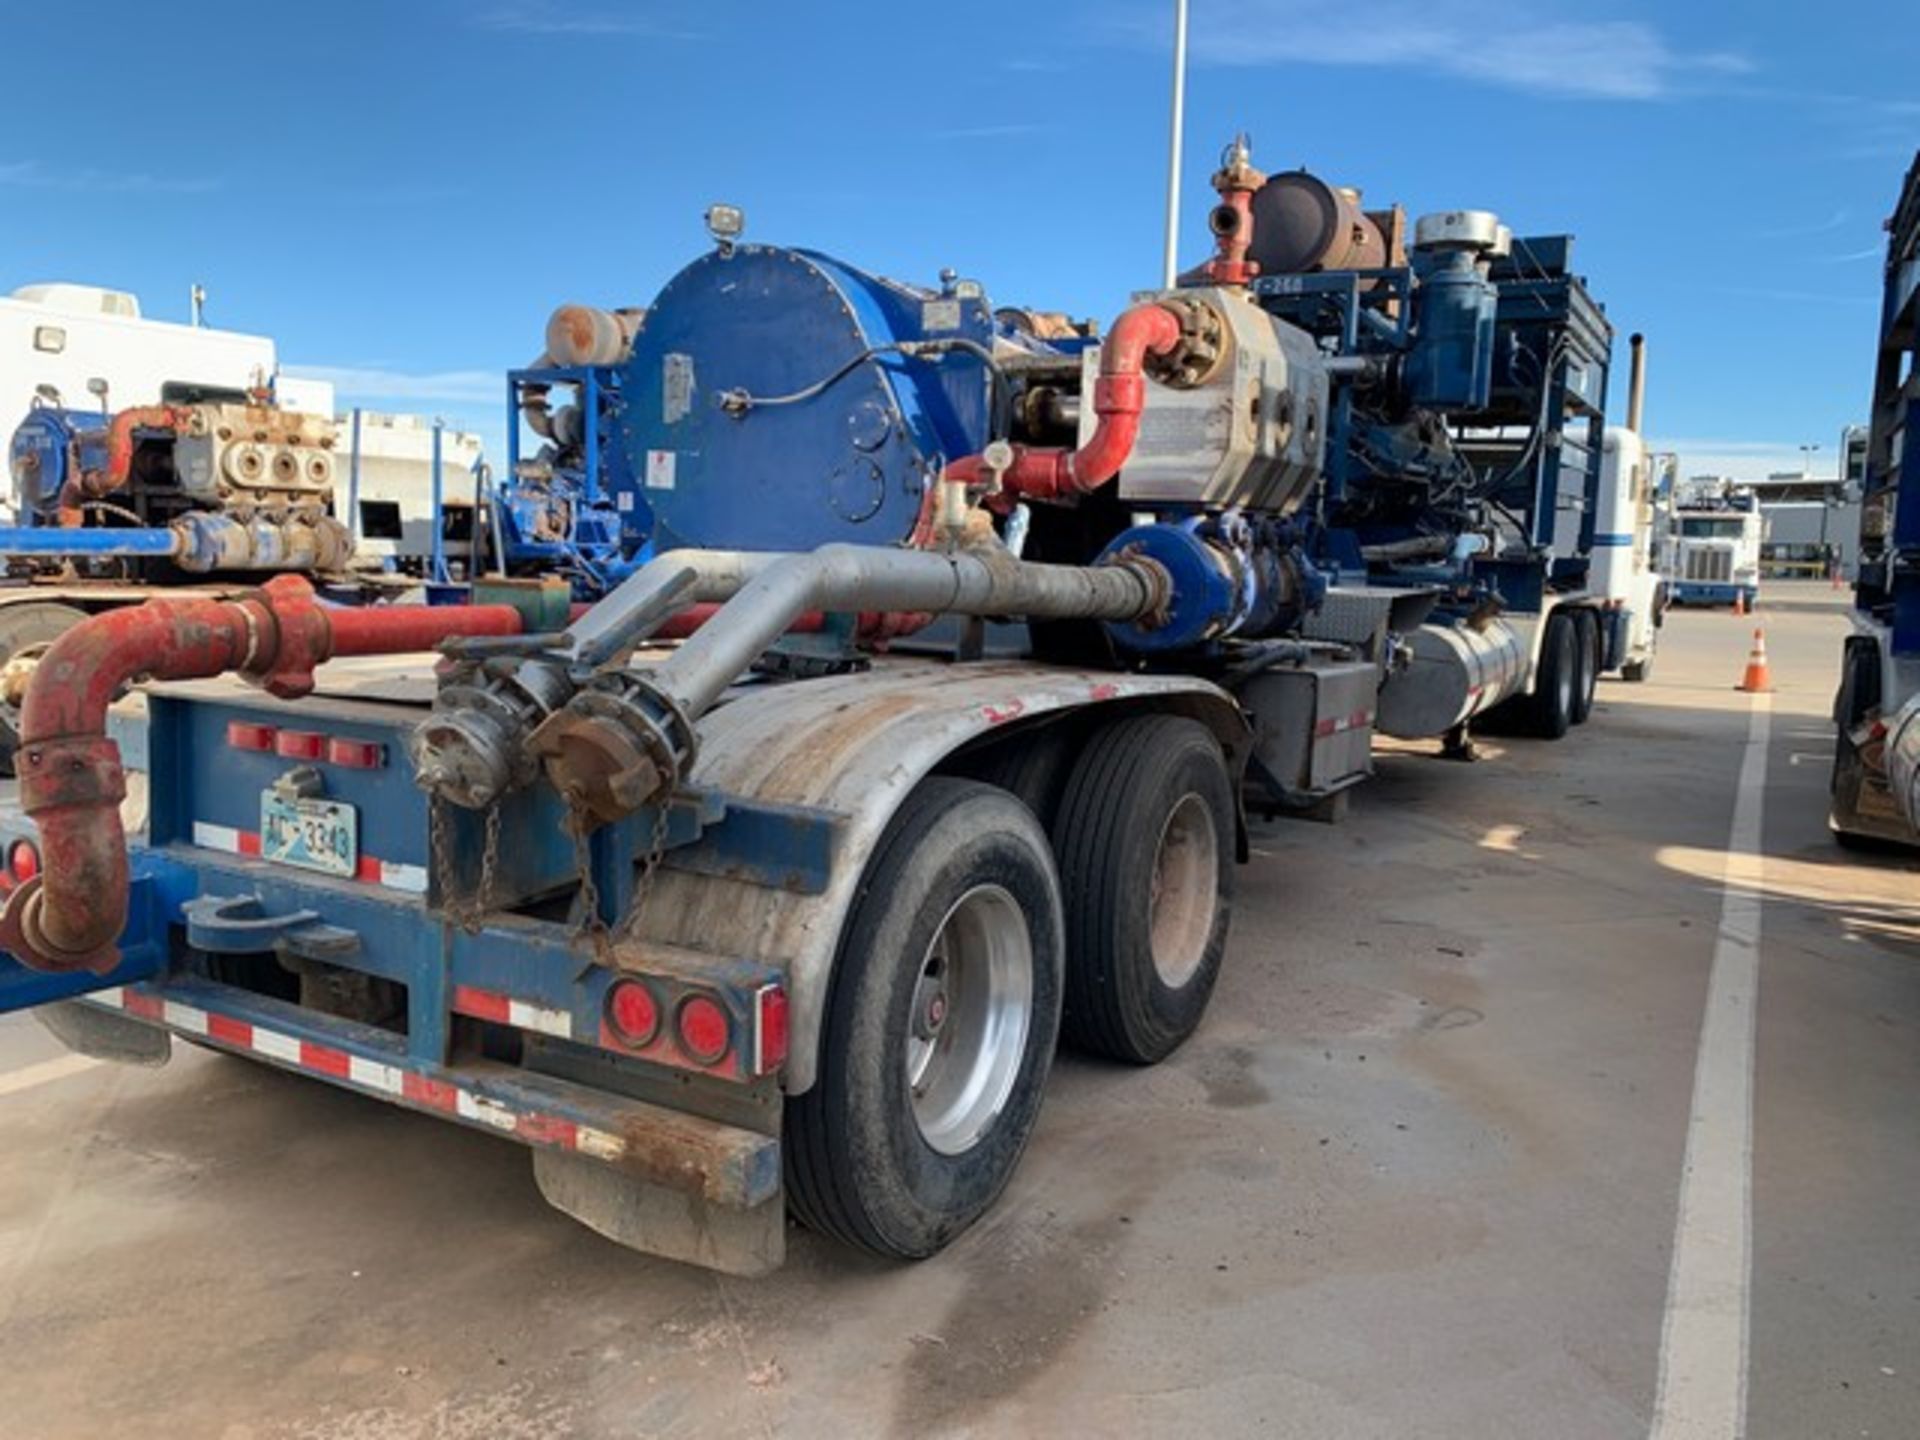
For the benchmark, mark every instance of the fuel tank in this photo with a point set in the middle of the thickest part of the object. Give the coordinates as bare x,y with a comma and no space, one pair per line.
1457,672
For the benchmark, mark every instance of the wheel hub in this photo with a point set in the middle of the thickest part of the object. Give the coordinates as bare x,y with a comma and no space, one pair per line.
1183,894
968,1020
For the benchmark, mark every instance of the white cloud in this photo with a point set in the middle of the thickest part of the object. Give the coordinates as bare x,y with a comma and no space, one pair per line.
1818,227
1488,41
1868,252
452,387
31,174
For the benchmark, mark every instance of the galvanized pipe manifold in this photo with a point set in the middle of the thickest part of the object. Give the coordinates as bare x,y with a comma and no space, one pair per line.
612,738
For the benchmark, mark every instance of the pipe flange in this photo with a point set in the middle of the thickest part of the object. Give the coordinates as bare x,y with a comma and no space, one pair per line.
23,937
1202,348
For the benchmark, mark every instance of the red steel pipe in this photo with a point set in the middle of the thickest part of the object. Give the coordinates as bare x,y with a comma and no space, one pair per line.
92,484
1118,395
71,780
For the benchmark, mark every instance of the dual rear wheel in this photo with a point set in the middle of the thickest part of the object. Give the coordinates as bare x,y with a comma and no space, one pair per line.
977,940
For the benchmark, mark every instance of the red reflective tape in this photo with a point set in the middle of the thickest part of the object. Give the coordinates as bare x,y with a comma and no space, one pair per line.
368,868
481,1004
147,1007
325,1059
1359,718
249,842
437,1094
230,1030
1324,728
540,1129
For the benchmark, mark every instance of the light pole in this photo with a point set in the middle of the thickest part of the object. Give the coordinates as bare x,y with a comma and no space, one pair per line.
1826,503
1170,260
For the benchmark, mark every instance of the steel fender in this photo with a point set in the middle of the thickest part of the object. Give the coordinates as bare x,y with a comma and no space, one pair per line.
858,745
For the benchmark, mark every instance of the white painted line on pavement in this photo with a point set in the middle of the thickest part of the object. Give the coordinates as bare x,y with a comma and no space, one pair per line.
45,1073
1702,1392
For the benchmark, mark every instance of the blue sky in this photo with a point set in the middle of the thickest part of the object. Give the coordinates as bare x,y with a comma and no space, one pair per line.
400,192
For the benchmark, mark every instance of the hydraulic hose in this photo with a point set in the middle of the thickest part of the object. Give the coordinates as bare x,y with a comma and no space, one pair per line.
1118,396
71,780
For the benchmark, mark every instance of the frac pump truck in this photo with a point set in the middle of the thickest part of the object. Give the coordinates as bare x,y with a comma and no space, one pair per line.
924,741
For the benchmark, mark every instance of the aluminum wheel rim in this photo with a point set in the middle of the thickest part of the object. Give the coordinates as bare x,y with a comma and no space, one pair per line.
972,1008
1185,892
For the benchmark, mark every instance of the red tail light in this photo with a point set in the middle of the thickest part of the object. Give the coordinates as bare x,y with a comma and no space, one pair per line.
300,744
632,1014
705,1032
244,735
356,754
23,861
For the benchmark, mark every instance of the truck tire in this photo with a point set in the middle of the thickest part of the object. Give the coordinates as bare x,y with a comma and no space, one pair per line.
940,1025
1549,710
1859,693
1145,837
25,629
1586,650
1031,766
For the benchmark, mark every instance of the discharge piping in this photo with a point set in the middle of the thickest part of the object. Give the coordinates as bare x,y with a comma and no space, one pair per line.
627,738
71,780
843,578
1119,393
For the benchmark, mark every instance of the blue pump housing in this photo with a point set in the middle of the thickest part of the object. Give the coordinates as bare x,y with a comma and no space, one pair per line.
43,452
768,406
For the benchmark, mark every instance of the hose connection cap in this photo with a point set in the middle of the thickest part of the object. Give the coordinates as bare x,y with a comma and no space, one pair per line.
614,749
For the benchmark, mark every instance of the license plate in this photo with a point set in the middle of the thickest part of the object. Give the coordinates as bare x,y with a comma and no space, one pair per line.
319,835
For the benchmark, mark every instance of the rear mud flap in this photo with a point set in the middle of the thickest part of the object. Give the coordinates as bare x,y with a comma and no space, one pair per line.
673,1224
103,1035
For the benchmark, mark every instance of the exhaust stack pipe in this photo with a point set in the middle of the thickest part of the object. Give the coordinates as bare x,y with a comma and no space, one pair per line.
1637,383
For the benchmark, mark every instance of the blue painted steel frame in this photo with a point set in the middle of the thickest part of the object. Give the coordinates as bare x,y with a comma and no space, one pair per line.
198,779
1540,302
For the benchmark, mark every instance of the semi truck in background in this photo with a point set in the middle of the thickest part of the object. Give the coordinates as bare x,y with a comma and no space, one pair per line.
1713,546
1627,528
1876,759
801,890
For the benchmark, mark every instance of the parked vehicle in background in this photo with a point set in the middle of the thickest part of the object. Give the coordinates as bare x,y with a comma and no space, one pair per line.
1713,545
1876,759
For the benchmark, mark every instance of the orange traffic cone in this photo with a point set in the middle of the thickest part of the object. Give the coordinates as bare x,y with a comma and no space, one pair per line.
1739,602
1758,677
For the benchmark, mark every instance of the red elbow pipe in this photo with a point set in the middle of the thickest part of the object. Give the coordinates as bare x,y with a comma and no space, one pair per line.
71,781
92,484
1118,396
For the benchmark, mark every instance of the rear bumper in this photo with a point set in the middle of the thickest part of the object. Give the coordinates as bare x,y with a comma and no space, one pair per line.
724,1165
1701,592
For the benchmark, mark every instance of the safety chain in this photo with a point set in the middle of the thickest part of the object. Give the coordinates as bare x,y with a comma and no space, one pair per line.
468,911
592,928
650,862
